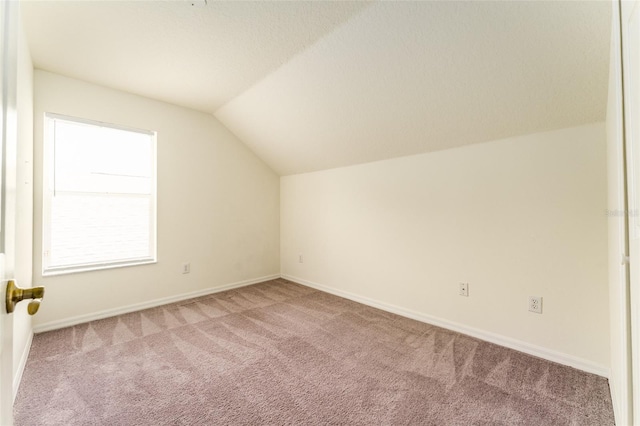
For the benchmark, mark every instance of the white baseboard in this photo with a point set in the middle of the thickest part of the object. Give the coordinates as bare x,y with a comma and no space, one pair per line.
17,378
528,348
67,322
518,345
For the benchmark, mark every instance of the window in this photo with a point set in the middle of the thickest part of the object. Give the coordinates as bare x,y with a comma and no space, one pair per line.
99,207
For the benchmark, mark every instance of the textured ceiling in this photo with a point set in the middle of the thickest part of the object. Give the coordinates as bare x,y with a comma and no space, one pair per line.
412,77
316,85
198,57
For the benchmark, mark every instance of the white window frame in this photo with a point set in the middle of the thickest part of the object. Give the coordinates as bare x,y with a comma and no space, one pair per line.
47,193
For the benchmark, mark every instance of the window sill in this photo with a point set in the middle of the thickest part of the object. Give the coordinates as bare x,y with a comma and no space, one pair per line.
49,272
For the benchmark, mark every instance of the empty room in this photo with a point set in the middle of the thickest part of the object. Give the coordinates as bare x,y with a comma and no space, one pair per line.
320,212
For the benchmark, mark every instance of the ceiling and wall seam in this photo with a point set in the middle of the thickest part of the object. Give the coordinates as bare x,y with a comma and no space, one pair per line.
316,85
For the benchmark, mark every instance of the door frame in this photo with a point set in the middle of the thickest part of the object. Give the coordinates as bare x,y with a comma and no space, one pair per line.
9,17
630,58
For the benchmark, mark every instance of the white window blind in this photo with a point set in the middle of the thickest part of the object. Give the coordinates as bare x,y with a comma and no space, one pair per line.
99,196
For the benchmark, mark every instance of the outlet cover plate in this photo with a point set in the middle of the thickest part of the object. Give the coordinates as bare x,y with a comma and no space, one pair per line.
464,289
535,304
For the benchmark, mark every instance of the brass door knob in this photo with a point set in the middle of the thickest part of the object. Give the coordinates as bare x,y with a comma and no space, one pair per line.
16,294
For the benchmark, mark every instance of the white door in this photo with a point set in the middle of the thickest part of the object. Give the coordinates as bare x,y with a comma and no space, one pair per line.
631,72
8,130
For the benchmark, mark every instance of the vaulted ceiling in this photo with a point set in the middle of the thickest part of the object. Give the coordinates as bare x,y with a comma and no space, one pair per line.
312,85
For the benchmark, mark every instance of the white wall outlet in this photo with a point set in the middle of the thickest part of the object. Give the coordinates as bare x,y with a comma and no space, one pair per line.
186,268
300,259
535,304
464,289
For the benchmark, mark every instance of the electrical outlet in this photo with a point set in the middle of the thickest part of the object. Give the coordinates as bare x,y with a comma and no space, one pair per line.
300,259
535,304
186,268
464,289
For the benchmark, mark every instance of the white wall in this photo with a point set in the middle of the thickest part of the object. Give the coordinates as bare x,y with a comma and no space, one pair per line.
24,205
515,217
218,205
619,379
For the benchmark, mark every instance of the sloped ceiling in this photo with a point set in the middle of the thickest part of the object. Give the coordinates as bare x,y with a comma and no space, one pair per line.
316,85
198,57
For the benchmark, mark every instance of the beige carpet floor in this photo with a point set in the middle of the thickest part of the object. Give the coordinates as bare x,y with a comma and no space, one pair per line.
281,353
